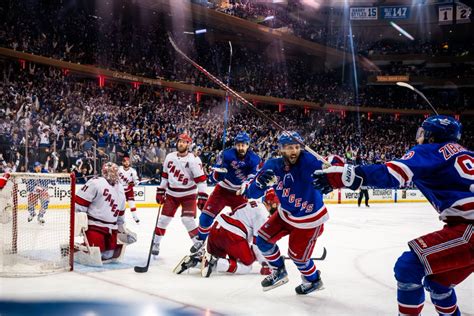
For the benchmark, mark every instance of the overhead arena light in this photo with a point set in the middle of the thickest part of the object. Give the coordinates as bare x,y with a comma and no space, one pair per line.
268,18
201,31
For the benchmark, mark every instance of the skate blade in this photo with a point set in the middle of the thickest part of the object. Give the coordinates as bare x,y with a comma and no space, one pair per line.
179,267
279,283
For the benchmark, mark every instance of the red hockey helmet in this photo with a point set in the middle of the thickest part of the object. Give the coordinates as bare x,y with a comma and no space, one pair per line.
185,137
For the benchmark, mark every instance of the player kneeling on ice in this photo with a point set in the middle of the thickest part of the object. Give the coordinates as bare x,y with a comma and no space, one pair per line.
301,213
231,242
100,208
444,172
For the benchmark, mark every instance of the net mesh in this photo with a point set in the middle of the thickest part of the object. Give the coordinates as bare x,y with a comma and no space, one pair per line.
35,222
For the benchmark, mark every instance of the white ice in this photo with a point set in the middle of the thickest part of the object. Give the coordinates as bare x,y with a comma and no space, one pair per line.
363,245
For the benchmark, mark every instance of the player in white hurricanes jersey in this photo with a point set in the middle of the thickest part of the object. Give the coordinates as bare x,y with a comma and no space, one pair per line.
103,200
182,181
129,178
231,242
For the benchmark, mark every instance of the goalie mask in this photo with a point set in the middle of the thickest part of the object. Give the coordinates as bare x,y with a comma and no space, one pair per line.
110,172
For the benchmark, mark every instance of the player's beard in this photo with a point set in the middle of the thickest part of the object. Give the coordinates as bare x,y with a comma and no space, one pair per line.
291,158
241,153
182,149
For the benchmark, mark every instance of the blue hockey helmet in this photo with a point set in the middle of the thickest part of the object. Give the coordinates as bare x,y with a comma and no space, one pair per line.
289,138
441,128
242,137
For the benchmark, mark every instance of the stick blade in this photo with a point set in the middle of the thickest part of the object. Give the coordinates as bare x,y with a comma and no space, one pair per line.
140,269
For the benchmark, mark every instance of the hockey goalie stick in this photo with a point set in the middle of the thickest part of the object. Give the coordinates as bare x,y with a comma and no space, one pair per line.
320,258
243,100
412,88
144,269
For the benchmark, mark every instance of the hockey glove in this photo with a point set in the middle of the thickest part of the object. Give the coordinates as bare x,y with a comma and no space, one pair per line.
125,235
265,179
201,200
160,195
326,180
218,174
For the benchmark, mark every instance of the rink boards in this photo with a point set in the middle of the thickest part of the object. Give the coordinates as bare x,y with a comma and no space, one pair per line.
145,196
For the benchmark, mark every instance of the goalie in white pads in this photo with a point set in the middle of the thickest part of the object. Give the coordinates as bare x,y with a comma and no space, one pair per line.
102,199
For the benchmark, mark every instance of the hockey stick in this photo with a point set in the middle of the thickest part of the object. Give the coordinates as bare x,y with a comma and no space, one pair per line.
144,269
320,258
226,112
244,101
412,88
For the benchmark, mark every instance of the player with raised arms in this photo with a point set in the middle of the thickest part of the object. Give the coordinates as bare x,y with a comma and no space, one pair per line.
443,171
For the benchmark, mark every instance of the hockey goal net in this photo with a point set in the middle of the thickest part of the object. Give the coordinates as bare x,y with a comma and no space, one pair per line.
37,224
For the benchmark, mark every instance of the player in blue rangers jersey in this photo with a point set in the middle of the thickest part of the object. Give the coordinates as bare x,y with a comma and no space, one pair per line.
37,190
443,171
234,166
301,213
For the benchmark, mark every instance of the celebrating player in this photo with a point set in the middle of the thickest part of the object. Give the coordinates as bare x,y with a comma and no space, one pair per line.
301,213
103,200
37,190
444,172
231,242
234,166
181,179
129,179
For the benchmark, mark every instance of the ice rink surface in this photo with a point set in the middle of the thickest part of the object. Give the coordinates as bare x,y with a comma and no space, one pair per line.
362,243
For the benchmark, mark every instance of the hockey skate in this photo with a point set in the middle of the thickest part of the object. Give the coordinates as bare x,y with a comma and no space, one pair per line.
135,218
197,247
209,263
308,287
31,216
40,220
188,262
278,277
155,250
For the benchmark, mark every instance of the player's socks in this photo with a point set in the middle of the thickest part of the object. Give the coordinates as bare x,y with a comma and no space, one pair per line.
443,298
278,277
205,223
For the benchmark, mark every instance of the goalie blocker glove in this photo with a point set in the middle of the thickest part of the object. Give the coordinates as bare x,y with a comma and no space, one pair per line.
337,177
